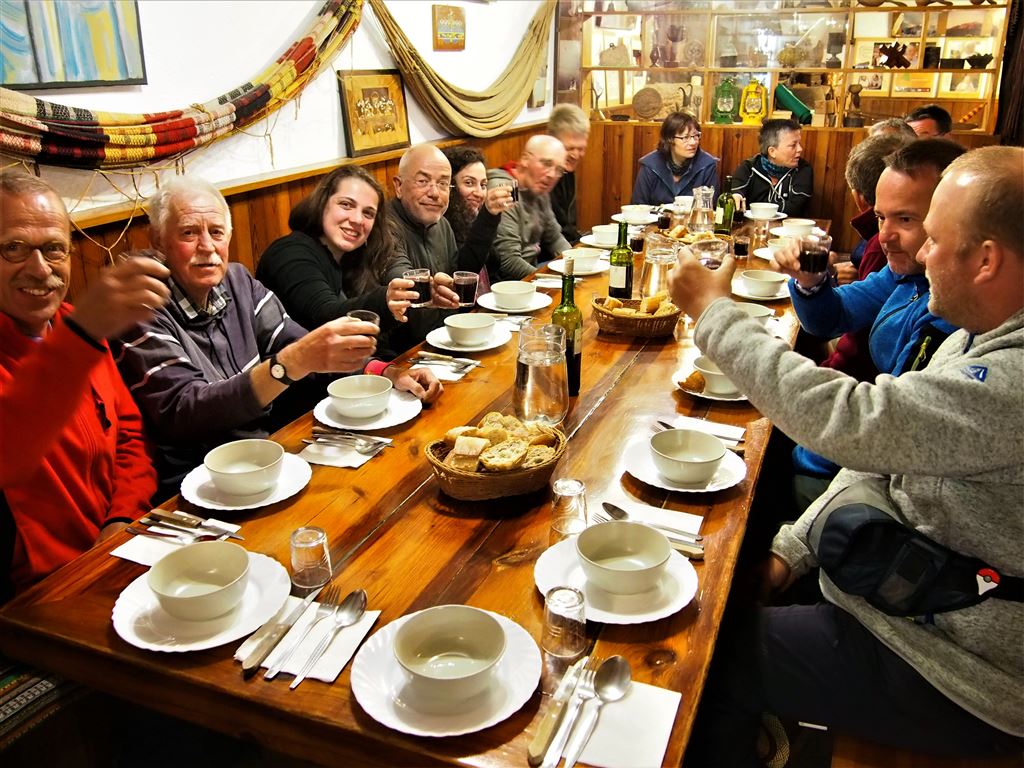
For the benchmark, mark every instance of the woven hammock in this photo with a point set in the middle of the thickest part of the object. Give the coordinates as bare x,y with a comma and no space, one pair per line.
33,129
459,111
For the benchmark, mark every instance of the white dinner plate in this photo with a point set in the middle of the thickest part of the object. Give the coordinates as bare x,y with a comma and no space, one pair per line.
440,338
401,407
559,566
537,301
649,219
684,373
198,488
640,465
592,242
777,231
379,684
140,621
558,265
739,290
776,217
763,253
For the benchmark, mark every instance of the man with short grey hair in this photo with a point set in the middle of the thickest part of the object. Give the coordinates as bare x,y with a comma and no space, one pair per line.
568,123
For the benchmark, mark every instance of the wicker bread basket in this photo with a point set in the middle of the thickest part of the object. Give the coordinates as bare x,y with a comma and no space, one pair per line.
476,486
649,326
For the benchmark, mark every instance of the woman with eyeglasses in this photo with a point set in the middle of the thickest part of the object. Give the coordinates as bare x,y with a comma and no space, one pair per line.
677,165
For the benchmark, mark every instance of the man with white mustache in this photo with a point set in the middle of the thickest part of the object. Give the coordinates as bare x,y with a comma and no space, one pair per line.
73,462
208,367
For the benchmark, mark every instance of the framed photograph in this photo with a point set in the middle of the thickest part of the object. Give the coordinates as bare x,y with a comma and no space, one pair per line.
449,28
71,44
913,84
967,85
873,83
373,111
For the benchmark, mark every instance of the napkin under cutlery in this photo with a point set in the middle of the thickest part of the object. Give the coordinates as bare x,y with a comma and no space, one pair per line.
645,513
334,659
444,372
730,435
146,550
336,455
634,731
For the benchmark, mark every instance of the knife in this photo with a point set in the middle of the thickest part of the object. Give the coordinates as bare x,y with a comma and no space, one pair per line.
251,663
553,717
188,526
562,733
735,445
618,513
439,356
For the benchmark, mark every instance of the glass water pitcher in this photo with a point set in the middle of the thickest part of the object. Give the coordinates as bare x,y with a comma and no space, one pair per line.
702,216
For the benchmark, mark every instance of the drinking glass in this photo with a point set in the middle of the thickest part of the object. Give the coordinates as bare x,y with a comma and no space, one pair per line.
814,252
421,277
565,624
741,247
500,181
568,509
364,316
659,258
465,287
710,253
311,559
541,391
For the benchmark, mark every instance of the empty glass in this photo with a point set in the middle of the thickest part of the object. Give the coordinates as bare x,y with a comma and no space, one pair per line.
659,258
702,215
568,509
311,559
565,624
541,390
710,253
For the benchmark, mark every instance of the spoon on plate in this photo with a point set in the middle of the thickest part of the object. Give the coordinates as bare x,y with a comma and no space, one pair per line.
348,613
611,683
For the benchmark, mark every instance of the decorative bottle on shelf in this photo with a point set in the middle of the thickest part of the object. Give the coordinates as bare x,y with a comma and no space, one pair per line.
725,209
620,276
568,315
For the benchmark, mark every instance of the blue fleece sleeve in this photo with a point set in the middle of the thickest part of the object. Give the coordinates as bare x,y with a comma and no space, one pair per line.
832,311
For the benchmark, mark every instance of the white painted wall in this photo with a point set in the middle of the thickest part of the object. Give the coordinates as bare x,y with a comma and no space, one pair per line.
196,50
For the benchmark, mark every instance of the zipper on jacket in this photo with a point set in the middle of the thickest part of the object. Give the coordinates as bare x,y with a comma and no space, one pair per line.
890,313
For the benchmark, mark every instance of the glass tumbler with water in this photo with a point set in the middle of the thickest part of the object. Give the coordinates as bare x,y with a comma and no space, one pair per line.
659,257
541,390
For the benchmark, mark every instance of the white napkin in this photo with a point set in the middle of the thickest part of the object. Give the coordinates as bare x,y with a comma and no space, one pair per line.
445,372
645,513
547,281
729,434
634,731
509,323
335,455
337,655
146,550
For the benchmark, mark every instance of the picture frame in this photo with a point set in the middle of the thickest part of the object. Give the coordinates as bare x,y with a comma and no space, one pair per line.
913,84
449,26
373,111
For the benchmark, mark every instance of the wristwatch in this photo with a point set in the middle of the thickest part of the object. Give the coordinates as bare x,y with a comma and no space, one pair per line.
278,372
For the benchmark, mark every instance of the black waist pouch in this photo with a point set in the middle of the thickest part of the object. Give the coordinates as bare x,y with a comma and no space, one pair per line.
866,551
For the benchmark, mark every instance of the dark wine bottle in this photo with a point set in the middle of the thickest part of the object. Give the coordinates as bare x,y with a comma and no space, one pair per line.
725,210
568,315
620,277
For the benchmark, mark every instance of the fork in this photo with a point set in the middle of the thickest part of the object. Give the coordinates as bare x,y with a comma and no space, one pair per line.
585,691
330,599
178,538
454,365
565,728
604,517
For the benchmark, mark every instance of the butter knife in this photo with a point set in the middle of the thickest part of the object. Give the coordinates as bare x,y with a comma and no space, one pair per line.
439,356
188,526
251,663
564,729
553,717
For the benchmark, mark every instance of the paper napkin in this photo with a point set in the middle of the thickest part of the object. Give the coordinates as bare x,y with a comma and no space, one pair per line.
634,731
337,655
445,372
146,550
729,434
645,513
547,281
335,455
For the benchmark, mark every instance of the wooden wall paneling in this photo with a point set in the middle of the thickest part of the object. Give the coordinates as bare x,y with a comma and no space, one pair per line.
590,181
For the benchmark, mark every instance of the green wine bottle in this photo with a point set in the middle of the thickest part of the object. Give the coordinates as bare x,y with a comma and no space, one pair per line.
620,277
568,315
725,211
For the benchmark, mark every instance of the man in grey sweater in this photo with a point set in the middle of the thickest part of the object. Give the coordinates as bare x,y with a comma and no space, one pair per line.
945,448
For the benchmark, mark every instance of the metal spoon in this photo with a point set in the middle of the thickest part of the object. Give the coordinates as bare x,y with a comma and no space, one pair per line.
349,612
618,513
611,683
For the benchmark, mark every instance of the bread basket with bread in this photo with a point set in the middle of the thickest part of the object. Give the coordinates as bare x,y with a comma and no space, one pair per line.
500,456
650,317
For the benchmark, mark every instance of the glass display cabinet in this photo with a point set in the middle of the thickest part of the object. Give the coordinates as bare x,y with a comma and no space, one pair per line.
848,62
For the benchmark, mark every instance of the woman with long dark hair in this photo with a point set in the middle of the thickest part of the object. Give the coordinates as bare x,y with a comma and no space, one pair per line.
677,165
469,187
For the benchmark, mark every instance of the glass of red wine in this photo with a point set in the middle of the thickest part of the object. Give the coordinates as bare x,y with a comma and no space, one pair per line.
421,278
814,250
465,287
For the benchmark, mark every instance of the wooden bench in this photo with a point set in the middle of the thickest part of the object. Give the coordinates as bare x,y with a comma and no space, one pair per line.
848,752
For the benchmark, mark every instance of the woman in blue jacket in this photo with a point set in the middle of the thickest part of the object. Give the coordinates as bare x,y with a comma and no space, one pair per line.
677,165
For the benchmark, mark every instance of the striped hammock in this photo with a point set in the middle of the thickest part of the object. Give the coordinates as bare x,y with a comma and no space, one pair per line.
41,131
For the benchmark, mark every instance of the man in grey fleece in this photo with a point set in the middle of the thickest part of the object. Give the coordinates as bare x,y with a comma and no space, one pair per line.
945,445
528,232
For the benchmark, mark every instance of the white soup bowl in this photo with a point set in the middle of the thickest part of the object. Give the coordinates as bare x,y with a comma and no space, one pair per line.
245,467
200,581
763,211
583,259
622,557
360,397
759,312
469,330
797,227
762,282
606,234
686,455
717,383
513,294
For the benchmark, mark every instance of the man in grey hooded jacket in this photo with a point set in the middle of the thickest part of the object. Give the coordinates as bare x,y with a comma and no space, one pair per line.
945,446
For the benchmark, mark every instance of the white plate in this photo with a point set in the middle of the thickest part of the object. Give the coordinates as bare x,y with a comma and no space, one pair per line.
558,265
378,683
641,466
763,253
649,219
684,373
198,488
559,566
401,407
738,290
777,231
140,621
589,240
537,301
776,217
439,338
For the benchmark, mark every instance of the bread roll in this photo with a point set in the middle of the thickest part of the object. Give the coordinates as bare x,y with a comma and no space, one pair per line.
612,303
650,305
471,446
505,456
537,455
455,433
465,463
491,418
495,433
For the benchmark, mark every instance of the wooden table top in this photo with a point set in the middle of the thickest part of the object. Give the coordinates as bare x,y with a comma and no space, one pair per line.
393,533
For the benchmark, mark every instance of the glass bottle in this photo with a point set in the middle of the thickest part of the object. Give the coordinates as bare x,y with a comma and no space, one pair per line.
568,316
702,214
620,276
725,209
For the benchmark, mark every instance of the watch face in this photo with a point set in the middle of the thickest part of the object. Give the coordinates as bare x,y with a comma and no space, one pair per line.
277,371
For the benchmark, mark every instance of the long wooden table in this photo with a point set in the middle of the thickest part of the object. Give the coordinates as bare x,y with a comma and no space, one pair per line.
395,534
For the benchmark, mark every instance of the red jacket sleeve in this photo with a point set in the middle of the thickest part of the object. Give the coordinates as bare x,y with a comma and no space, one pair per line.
134,476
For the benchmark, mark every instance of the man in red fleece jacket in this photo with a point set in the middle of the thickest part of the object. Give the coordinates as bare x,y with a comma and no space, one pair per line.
73,463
